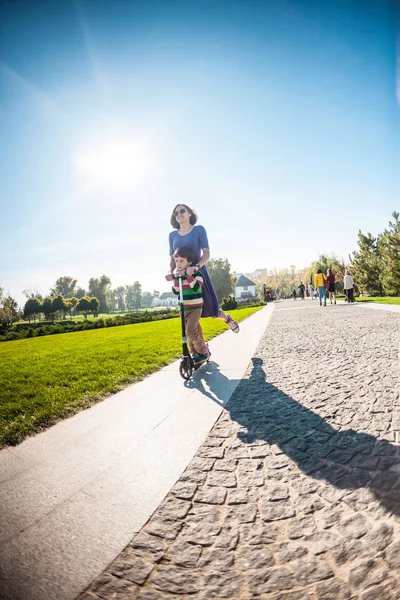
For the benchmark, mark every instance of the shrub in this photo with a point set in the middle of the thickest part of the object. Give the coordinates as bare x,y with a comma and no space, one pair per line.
229,303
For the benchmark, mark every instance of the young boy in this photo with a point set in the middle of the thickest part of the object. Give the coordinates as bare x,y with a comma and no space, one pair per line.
192,303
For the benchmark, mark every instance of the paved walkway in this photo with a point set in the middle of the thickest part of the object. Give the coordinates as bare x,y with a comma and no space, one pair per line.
295,493
73,497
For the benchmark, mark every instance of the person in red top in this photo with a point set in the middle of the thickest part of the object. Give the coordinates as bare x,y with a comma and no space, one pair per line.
330,285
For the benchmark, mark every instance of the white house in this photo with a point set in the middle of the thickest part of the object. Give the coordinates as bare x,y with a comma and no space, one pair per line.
168,299
244,288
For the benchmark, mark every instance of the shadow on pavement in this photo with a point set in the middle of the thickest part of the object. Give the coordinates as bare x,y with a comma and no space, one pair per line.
348,460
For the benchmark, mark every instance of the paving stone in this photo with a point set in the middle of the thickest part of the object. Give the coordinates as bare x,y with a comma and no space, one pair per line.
184,490
221,479
218,559
131,567
369,572
184,554
301,527
149,543
308,570
204,534
354,526
175,580
164,528
108,587
270,579
174,509
242,513
274,511
211,495
392,555
259,533
254,557
151,594
222,585
284,552
332,589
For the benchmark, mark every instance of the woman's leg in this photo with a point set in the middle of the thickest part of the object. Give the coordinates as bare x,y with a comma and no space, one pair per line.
229,321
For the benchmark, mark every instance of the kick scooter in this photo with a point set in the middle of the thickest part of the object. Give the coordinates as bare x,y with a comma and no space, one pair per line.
187,365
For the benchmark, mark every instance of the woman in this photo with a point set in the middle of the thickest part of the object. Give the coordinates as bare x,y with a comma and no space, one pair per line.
320,286
187,233
330,282
348,285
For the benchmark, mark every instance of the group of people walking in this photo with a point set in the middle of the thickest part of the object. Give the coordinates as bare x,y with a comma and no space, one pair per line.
326,284
325,288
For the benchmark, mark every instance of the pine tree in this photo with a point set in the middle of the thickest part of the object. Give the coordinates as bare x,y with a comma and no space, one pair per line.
367,265
389,247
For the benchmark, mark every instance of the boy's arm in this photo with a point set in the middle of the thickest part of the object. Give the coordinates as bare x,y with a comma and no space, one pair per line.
195,282
175,287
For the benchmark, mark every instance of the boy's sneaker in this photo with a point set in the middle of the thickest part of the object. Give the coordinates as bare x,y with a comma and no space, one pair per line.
232,324
200,358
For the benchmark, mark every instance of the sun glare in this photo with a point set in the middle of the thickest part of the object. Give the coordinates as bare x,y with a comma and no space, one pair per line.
116,161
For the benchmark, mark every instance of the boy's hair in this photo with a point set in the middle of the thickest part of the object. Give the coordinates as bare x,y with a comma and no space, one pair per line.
184,252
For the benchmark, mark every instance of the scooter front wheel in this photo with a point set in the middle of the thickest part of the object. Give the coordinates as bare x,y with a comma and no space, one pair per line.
186,368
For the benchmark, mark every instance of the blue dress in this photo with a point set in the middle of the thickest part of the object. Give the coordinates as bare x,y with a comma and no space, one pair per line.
196,240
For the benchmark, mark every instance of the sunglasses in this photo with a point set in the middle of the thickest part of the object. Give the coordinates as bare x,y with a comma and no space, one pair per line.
181,210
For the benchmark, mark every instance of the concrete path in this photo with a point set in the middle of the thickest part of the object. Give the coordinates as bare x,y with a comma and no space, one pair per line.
73,497
295,493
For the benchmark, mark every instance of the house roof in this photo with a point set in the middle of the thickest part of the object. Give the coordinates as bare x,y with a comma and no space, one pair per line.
166,295
244,281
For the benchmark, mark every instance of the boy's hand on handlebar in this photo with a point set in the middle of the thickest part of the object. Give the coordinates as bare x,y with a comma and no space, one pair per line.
169,277
190,271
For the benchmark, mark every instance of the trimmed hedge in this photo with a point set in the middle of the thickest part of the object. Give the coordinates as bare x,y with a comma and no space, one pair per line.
27,330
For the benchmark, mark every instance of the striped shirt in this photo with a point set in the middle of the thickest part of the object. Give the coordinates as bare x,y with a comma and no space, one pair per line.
192,290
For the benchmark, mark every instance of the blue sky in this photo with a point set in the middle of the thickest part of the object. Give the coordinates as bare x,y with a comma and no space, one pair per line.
277,121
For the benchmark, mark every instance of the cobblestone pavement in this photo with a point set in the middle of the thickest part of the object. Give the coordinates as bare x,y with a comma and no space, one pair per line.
295,494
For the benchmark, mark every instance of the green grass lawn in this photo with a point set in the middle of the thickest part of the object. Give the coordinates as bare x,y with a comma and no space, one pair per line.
47,378
380,300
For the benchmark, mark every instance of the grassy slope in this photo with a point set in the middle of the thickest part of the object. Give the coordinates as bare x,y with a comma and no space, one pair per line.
45,379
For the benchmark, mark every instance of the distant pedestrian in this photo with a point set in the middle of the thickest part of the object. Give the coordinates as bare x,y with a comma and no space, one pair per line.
330,285
294,294
348,285
311,290
277,294
320,285
302,288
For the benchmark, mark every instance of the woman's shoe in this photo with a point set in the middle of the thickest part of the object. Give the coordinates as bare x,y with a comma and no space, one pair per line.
232,324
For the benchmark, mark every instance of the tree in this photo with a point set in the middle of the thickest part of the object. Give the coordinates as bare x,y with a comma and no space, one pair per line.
59,305
32,293
147,299
389,247
65,287
129,298
8,310
71,303
219,271
100,288
95,304
84,305
33,307
80,292
367,265
136,295
47,309
120,292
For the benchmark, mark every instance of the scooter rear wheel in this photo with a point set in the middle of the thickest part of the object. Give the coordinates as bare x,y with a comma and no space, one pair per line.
186,368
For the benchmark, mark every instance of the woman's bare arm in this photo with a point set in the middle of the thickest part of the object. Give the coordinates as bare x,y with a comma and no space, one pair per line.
204,257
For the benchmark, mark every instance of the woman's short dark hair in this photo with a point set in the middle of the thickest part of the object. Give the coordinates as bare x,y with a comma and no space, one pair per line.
184,252
319,271
193,216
